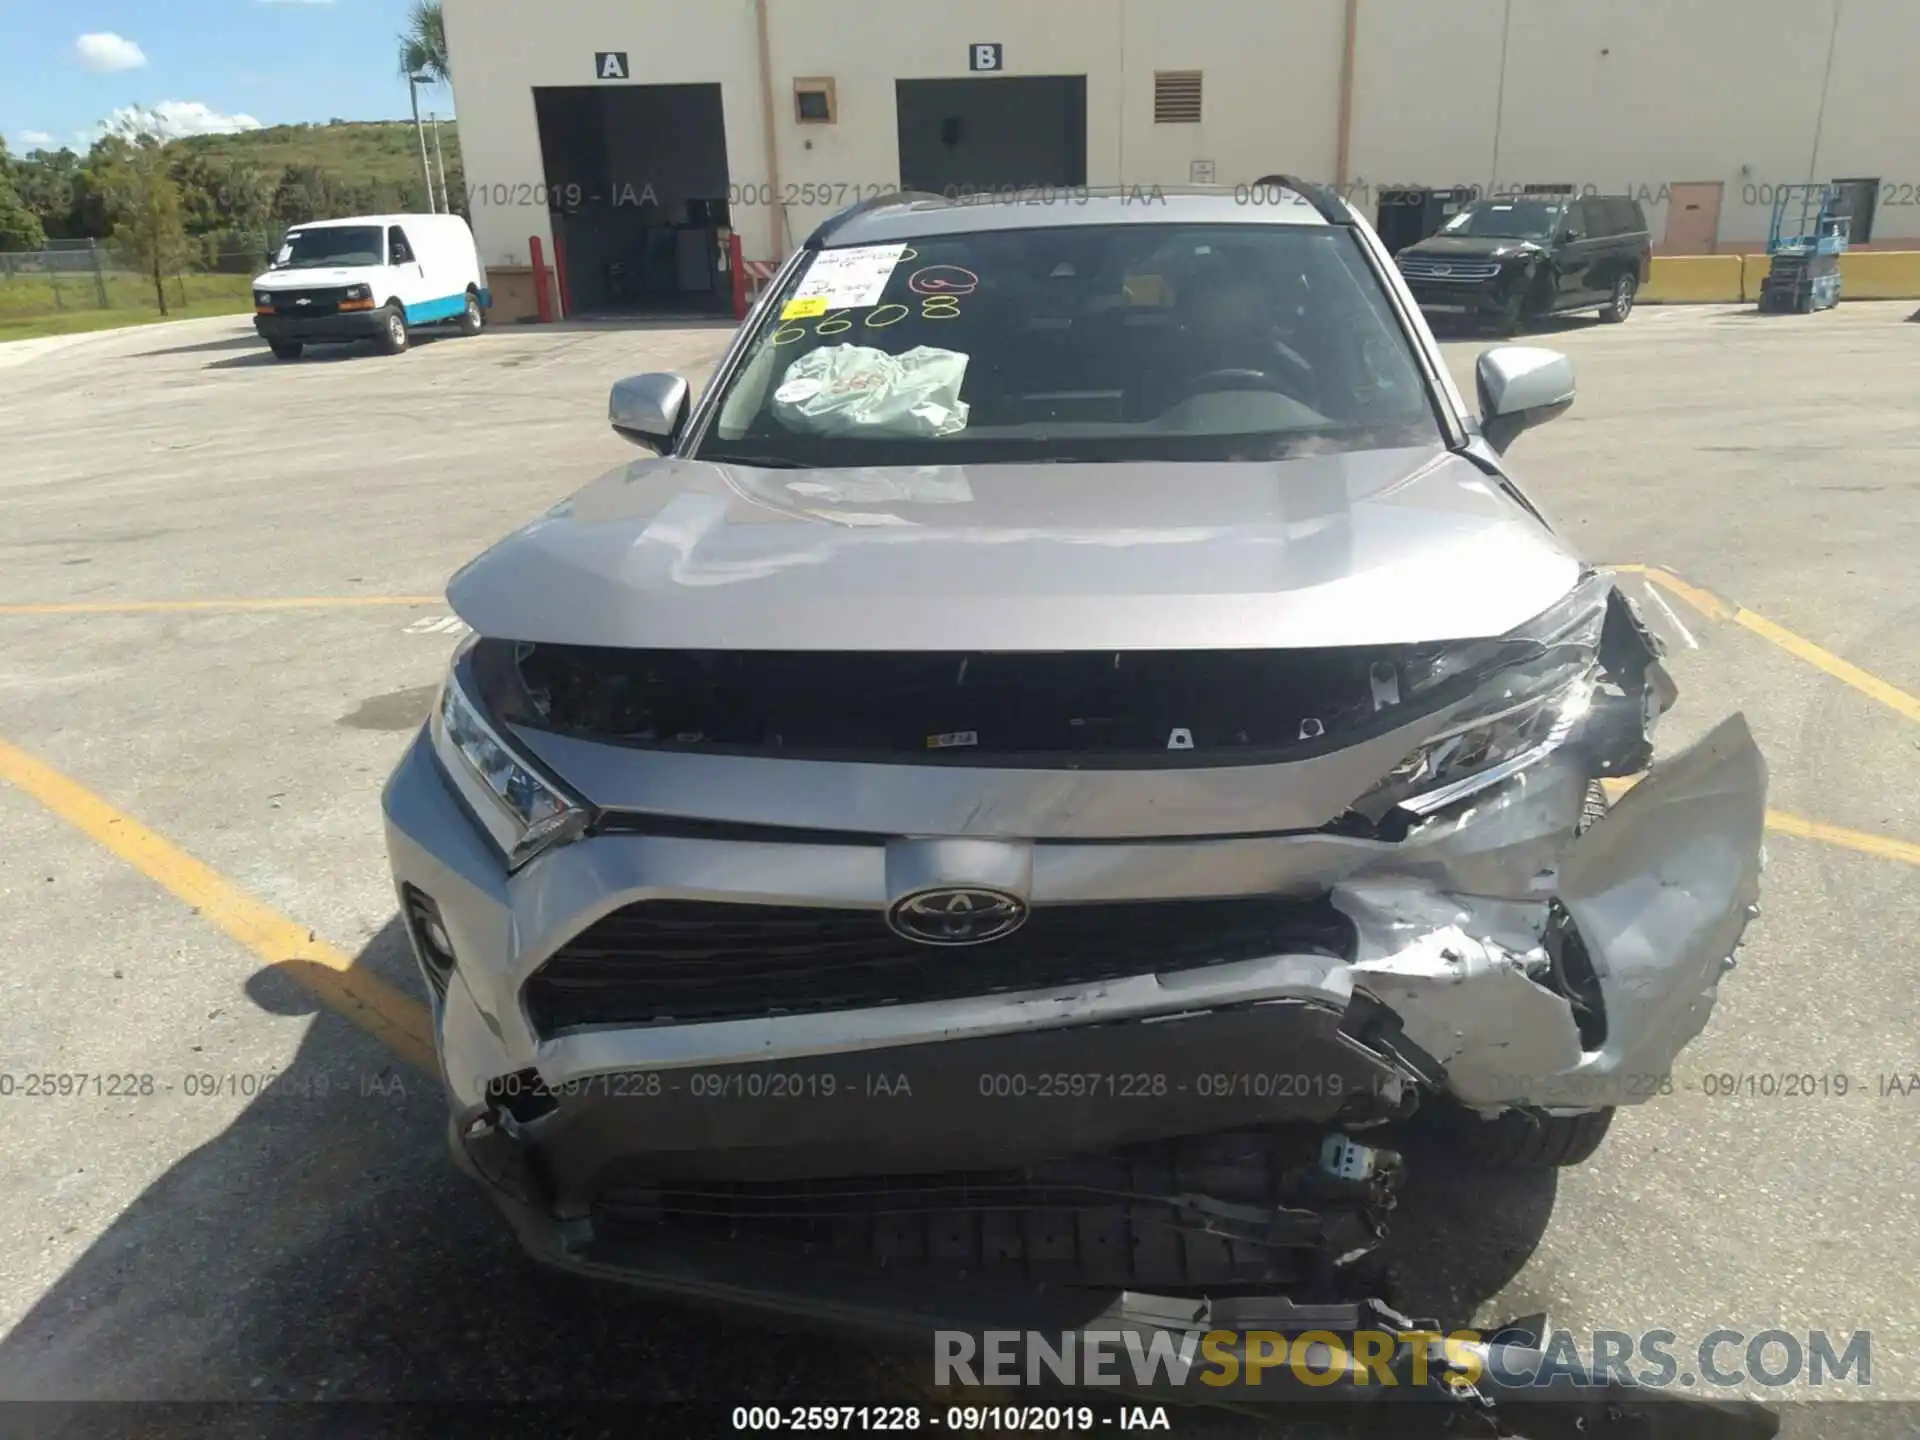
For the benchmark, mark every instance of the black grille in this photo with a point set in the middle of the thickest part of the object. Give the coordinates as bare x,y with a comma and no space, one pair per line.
319,301
1465,272
667,961
1205,1212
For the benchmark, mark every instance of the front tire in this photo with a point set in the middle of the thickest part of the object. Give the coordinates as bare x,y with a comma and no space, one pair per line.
286,349
472,320
1511,318
1523,1139
1620,305
392,338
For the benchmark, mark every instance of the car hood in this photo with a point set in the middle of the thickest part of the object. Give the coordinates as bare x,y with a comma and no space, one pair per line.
1482,247
1360,548
311,276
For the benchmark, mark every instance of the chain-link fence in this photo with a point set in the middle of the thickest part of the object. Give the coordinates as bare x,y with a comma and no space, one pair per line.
76,275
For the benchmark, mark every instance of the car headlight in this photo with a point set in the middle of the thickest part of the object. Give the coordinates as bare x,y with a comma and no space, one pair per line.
359,292
263,297
523,810
1525,693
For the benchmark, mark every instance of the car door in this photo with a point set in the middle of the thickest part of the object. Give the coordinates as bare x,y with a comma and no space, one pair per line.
1573,258
406,274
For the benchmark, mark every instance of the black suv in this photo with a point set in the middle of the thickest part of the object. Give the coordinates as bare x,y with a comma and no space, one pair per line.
1509,259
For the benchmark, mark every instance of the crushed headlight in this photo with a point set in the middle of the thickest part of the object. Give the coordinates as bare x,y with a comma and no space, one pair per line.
1537,685
520,808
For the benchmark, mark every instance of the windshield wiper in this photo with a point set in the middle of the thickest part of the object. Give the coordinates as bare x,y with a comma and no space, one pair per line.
757,462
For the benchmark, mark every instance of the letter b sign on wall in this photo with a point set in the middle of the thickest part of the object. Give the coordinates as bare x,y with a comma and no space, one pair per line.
983,57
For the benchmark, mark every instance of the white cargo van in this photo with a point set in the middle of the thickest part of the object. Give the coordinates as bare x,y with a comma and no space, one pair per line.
370,277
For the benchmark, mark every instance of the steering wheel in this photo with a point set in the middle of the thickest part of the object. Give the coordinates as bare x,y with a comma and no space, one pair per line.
1247,379
1261,380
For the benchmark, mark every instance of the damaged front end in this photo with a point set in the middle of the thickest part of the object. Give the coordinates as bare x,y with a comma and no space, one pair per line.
1118,973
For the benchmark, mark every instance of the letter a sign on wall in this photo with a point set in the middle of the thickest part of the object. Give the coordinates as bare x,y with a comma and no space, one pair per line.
611,64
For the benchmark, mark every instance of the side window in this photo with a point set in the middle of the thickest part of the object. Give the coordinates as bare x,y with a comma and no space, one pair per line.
1572,219
1627,219
1589,218
399,252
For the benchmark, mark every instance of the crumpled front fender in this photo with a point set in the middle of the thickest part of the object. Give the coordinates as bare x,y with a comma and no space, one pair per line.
1660,889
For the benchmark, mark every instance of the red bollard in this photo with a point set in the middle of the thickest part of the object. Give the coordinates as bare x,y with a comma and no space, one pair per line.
560,275
541,298
739,269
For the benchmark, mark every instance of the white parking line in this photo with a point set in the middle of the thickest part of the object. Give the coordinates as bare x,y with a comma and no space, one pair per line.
439,625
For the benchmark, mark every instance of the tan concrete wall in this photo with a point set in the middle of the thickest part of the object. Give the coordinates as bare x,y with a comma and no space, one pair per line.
1621,95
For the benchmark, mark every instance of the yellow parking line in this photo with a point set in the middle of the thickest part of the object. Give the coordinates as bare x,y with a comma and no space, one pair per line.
1790,824
1859,840
1712,606
150,607
327,973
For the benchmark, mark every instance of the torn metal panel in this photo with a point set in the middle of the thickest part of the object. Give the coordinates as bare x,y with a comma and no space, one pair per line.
1465,999
1662,889
1505,842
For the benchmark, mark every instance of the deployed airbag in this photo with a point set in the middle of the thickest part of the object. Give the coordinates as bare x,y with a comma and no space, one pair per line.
856,390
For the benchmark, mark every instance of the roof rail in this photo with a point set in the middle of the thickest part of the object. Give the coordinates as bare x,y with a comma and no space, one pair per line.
1317,196
834,221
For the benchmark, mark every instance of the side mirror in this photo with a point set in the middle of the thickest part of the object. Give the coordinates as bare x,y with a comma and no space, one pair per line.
649,409
1520,387
1567,235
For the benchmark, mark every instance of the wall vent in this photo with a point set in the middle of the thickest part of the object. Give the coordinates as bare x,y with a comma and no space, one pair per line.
1176,97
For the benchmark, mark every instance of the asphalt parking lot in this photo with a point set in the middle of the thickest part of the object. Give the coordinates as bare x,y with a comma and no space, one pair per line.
220,623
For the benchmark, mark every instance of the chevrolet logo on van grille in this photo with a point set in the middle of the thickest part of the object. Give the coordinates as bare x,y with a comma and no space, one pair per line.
309,302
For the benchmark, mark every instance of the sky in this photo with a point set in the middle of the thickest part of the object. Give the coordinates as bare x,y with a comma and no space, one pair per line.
199,65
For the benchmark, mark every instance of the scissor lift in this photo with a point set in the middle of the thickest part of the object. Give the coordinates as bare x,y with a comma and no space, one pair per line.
1805,242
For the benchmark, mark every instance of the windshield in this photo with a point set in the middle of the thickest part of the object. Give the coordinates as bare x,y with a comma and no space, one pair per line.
1514,219
1097,343
330,245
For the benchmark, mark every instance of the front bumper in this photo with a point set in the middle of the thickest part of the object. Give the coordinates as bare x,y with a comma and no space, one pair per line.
1448,986
353,325
1473,299
965,1314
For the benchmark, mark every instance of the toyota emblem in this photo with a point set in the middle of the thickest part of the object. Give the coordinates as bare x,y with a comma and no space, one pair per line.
1443,269
957,915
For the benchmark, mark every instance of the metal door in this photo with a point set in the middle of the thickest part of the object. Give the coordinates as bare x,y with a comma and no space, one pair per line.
1693,218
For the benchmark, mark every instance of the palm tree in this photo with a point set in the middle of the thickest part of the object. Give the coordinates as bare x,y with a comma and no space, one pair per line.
423,44
423,56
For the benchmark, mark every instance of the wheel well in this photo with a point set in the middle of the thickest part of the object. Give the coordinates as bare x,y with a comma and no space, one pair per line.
393,303
472,289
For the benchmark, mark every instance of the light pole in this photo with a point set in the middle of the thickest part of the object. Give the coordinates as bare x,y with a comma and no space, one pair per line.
440,164
414,82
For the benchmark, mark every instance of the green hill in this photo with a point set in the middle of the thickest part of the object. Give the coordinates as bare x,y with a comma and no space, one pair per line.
382,156
239,187
308,172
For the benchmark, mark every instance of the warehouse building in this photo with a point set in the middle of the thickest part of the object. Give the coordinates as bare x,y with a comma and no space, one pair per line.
631,140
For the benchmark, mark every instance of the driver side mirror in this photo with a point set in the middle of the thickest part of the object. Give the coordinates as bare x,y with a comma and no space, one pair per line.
649,409
1520,387
1567,235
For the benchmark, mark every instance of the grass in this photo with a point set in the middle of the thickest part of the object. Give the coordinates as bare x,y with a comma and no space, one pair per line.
28,308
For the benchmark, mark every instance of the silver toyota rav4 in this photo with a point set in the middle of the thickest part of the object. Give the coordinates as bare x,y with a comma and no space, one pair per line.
1072,760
